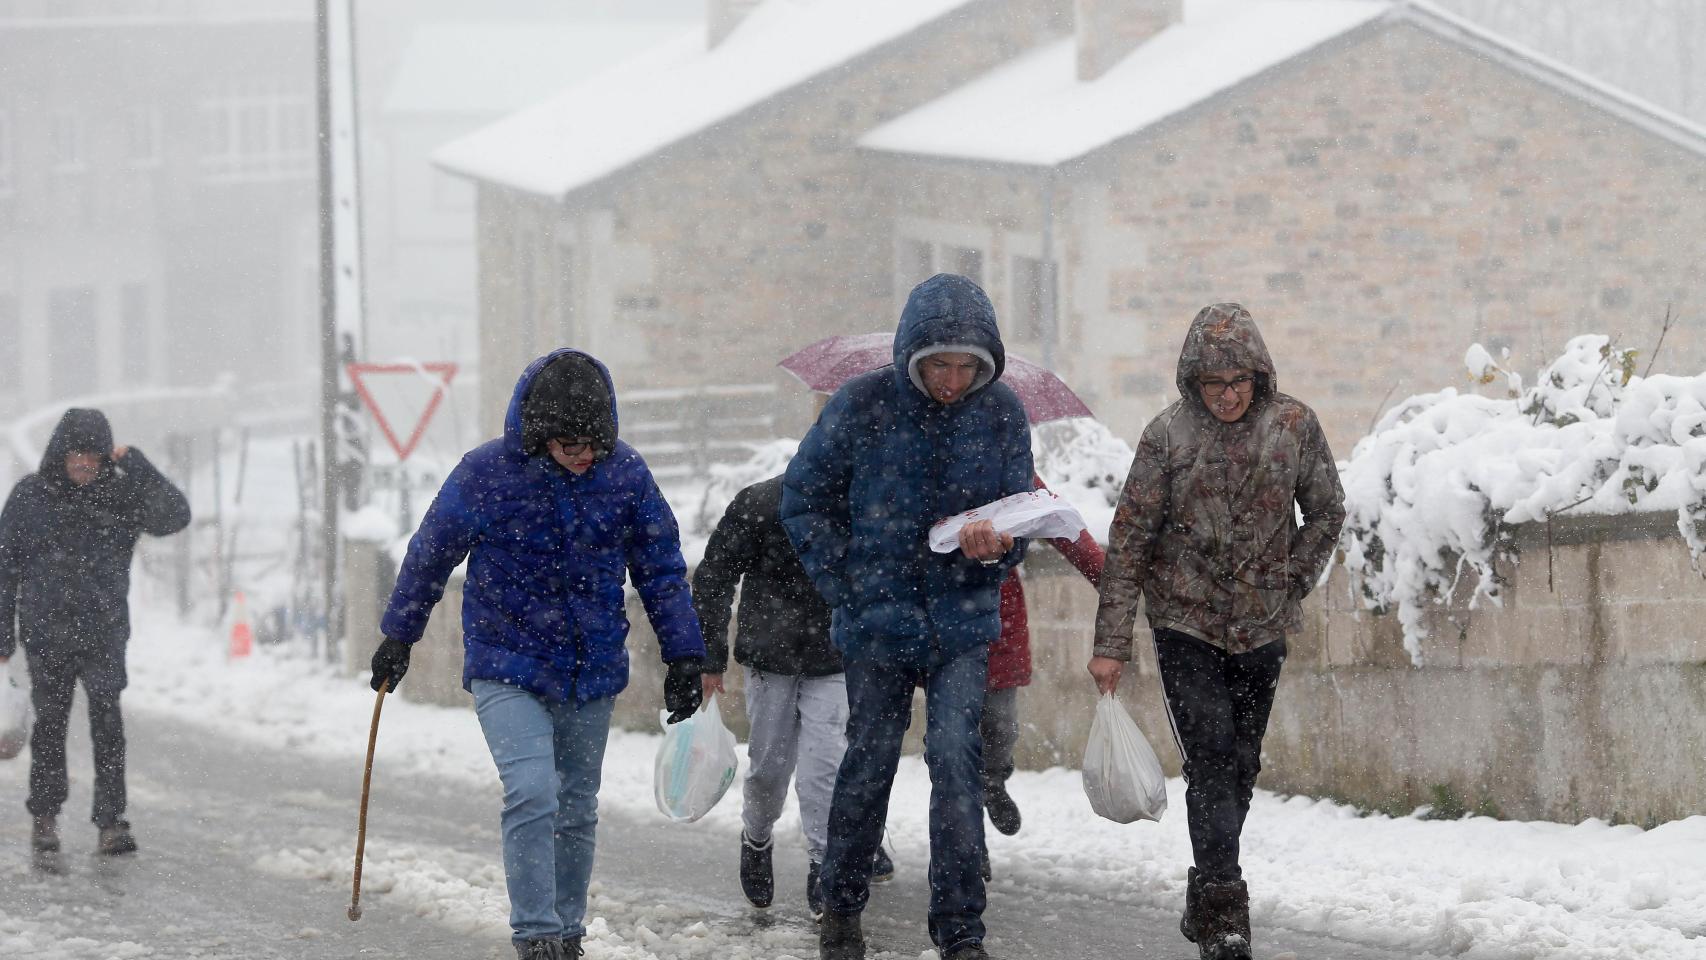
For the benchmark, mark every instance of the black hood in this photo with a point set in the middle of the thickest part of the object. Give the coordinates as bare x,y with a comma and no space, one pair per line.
79,431
570,397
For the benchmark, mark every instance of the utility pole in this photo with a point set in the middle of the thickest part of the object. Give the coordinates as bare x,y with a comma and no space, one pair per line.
328,323
340,279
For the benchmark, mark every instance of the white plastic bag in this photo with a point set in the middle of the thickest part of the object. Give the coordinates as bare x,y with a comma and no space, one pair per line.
1122,778
14,709
695,765
1035,513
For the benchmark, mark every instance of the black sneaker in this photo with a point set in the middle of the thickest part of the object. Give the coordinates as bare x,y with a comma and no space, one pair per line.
882,868
757,880
1003,812
551,949
814,892
572,948
969,951
116,839
839,938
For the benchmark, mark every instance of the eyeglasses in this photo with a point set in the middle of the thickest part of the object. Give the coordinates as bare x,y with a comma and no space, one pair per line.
1215,387
574,448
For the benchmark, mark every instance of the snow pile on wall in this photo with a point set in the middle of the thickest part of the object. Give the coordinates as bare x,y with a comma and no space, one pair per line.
1432,491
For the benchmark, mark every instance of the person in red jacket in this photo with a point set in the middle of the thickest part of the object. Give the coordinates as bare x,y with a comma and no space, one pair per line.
1010,669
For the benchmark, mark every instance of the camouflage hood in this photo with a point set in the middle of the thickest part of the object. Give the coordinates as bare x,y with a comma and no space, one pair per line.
1224,336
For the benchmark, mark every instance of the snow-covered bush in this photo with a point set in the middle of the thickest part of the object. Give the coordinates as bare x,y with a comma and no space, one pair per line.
1086,464
1432,491
728,479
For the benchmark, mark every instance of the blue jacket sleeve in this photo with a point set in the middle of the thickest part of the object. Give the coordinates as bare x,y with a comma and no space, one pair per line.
445,536
659,573
816,507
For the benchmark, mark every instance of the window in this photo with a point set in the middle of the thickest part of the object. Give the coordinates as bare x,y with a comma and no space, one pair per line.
916,262
258,131
134,332
71,356
67,142
965,261
5,154
568,308
11,349
1033,298
142,135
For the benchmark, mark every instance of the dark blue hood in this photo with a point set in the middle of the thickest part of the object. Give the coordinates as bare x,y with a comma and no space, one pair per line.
946,311
513,444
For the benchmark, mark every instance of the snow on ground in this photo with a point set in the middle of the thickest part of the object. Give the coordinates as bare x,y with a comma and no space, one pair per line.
1476,888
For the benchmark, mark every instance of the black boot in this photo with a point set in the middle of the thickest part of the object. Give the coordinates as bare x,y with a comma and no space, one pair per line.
970,951
757,880
551,949
572,948
1003,812
115,839
1224,927
44,844
839,937
814,891
1190,923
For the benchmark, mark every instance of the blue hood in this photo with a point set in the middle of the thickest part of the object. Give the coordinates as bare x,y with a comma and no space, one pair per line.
945,311
512,417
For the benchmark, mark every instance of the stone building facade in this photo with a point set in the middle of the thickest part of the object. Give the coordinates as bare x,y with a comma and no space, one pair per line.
1380,200
1379,203
709,261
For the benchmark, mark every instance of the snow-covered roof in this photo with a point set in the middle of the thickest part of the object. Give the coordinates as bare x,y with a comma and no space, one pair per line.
1034,111
494,68
677,89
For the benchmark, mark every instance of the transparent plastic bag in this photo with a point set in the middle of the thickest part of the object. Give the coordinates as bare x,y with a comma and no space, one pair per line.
695,764
14,709
1122,778
1035,513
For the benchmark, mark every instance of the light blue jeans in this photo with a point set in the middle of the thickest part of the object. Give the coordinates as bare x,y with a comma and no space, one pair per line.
550,757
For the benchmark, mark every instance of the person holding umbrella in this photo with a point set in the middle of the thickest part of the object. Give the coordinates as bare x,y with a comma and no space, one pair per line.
894,451
1205,535
551,517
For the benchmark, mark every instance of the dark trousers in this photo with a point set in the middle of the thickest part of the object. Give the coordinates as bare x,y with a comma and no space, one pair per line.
54,674
1218,703
879,702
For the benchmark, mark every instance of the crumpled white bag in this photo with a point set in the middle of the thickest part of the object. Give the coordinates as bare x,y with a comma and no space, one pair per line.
1122,778
14,709
1034,513
695,764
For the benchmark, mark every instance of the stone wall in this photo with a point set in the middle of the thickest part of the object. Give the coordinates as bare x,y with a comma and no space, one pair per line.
1587,698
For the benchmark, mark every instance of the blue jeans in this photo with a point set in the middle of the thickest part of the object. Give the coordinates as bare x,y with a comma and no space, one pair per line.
879,700
550,757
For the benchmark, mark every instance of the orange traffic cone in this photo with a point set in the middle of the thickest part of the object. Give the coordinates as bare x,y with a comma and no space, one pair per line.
242,635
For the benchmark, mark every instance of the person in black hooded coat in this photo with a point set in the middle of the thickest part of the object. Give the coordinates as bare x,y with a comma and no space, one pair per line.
67,535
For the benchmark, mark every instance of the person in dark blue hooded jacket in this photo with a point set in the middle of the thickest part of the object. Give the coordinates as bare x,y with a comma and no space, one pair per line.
894,451
67,536
550,517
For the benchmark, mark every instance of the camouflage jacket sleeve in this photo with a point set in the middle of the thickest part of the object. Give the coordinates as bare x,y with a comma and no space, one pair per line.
1323,501
1137,523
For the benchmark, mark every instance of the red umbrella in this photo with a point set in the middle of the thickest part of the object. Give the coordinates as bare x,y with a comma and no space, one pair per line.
827,364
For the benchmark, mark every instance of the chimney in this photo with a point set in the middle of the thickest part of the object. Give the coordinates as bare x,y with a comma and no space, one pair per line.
723,16
1109,30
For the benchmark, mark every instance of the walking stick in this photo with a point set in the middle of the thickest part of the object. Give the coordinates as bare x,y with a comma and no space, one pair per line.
366,781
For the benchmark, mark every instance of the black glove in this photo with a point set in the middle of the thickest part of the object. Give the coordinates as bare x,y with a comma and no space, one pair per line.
390,662
682,692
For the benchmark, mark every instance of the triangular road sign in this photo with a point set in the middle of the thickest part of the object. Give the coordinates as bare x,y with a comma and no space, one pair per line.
433,377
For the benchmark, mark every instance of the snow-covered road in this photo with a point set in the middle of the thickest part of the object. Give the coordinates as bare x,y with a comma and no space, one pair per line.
245,778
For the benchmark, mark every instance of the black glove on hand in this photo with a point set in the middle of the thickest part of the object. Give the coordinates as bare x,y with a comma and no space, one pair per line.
682,692
390,662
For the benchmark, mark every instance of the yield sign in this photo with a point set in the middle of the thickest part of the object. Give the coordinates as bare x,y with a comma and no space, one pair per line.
411,377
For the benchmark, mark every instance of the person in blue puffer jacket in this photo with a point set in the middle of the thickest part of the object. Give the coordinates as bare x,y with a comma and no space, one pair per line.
894,451
550,517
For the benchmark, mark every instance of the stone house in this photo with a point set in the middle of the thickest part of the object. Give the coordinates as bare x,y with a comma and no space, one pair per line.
1382,183
697,213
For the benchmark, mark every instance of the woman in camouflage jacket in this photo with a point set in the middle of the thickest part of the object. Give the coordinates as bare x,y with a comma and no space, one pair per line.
1206,536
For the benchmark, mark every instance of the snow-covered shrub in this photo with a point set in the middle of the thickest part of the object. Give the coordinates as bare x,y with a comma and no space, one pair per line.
1086,464
727,479
1432,491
